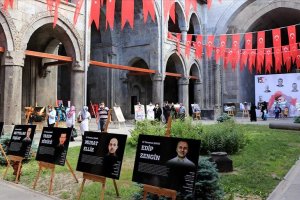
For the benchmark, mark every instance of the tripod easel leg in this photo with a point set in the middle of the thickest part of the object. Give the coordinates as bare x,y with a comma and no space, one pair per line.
5,172
37,177
51,181
102,191
18,172
3,153
71,170
81,189
116,187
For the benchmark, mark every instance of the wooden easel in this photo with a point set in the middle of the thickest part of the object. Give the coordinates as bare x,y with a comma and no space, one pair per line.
157,190
246,112
14,159
231,113
95,178
3,153
52,168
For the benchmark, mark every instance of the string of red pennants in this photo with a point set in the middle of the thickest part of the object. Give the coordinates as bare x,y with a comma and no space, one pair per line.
284,55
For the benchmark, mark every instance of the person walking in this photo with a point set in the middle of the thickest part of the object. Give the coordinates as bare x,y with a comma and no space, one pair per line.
157,112
102,116
181,112
253,117
70,120
51,116
167,111
85,116
277,111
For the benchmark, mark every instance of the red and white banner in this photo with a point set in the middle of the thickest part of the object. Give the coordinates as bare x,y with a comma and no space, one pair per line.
298,59
209,3
292,42
199,46
57,2
110,13
223,40
217,54
178,39
248,42
148,8
269,59
209,46
77,11
251,60
95,12
188,45
244,57
278,59
286,57
187,8
260,50
127,13
235,50
169,9
8,3
194,4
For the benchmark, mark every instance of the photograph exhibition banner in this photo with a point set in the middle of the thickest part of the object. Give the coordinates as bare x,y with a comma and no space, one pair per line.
54,144
139,112
279,89
102,154
21,140
167,162
1,128
150,111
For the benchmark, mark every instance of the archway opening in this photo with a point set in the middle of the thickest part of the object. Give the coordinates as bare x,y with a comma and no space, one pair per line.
2,73
193,96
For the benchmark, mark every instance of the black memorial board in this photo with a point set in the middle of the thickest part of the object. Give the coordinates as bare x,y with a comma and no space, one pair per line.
167,162
21,140
102,154
1,128
54,145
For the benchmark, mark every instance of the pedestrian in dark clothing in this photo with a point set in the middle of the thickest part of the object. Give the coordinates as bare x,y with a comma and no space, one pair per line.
253,117
167,111
157,112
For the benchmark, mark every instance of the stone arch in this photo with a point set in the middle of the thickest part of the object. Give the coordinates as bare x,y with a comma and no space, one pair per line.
194,21
9,30
72,39
179,61
181,22
195,70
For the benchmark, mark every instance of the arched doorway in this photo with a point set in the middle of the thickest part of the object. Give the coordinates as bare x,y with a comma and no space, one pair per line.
194,87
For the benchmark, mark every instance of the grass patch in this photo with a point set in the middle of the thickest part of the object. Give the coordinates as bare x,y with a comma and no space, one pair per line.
258,168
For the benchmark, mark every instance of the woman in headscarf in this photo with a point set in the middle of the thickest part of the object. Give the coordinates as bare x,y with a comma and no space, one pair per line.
70,121
85,118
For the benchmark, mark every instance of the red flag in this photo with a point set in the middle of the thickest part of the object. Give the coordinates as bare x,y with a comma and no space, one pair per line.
217,54
171,37
194,4
251,60
188,45
278,59
209,3
49,4
148,8
110,13
209,46
286,57
198,45
178,36
77,10
235,50
276,37
244,57
8,3
228,56
57,2
95,12
292,42
269,59
223,40
248,42
260,50
168,7
127,13
298,59
187,8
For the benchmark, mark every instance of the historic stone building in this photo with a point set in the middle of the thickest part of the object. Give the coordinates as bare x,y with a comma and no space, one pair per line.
27,78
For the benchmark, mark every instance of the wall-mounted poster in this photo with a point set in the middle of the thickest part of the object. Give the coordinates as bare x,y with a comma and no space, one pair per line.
102,154
278,90
167,162
1,128
54,145
21,140
139,112
150,111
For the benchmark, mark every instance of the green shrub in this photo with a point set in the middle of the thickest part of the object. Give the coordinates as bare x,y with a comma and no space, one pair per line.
226,136
207,186
297,119
179,128
224,117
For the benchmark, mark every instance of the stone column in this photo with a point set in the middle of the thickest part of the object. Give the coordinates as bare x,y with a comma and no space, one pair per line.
157,89
13,63
183,92
183,34
198,92
77,87
218,92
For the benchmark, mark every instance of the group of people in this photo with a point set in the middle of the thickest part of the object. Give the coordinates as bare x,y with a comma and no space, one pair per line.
169,110
83,117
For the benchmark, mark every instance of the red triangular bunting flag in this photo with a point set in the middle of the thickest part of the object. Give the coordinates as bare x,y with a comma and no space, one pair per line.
292,42
209,3
188,45
209,46
8,3
199,47
127,13
260,50
227,58
187,7
298,59
286,57
148,7
278,59
248,42
194,4
251,60
293,50
57,2
95,12
169,8
269,60
77,11
276,37
217,54
235,50
244,57
49,4
110,13
171,37
178,36
223,40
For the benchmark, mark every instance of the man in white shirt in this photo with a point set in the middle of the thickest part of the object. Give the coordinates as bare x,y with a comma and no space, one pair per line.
51,116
